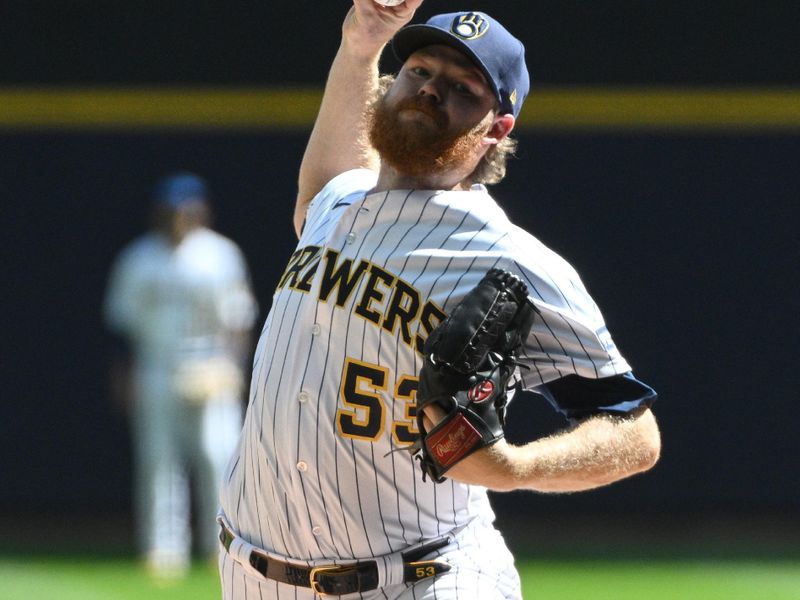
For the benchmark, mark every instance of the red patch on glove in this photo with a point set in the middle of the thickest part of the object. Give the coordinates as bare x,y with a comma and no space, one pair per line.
453,441
481,391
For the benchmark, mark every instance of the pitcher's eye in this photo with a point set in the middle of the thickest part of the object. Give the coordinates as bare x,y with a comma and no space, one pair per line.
462,89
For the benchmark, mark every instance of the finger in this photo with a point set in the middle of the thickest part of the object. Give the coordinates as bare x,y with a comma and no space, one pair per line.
432,415
412,5
400,13
426,421
408,7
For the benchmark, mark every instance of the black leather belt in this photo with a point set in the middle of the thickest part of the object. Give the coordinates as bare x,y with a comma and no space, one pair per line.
337,580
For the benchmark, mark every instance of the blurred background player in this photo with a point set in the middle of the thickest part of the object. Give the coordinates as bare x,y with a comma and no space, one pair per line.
179,302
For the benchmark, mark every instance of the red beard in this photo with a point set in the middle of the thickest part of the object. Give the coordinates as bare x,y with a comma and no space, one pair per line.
416,149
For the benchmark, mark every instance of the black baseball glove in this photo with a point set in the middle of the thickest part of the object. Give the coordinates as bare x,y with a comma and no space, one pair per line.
469,359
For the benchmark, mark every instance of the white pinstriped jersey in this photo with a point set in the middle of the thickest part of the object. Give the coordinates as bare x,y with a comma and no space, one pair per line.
316,474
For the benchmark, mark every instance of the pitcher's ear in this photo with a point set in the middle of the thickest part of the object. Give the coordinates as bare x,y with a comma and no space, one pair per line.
501,127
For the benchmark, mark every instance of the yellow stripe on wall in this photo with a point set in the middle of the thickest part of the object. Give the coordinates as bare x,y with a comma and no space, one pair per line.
663,108
158,108
198,109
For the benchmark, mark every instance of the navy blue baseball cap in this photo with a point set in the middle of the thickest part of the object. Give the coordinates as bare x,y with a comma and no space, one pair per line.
179,189
497,53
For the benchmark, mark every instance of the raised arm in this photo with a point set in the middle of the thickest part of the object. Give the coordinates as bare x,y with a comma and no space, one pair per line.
598,451
339,140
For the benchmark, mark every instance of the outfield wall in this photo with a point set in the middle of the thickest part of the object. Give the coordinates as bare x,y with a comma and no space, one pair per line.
687,241
659,153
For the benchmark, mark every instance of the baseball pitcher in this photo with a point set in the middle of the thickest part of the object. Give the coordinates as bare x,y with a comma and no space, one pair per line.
405,319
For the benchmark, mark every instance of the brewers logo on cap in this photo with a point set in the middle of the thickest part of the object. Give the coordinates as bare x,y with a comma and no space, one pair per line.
469,26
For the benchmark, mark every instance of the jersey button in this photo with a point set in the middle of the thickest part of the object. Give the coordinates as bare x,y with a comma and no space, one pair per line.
303,396
302,466
315,330
351,237
316,530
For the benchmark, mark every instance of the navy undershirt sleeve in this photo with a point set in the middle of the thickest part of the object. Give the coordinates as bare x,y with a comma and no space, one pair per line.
579,397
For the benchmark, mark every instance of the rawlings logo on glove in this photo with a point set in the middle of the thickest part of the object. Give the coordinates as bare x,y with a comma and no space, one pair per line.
481,392
452,443
469,359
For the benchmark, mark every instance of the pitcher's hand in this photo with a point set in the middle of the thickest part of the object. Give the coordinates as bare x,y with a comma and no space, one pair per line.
369,26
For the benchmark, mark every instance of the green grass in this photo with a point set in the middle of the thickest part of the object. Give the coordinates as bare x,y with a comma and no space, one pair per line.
662,580
42,578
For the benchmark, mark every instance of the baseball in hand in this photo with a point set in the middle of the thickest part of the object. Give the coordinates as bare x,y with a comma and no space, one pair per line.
388,2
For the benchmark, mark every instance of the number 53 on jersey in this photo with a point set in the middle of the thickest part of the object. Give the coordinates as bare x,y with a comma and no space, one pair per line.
365,414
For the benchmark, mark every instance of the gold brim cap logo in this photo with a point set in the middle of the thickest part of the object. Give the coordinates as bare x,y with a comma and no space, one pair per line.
469,26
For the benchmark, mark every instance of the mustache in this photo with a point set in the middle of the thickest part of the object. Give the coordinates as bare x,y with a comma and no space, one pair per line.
426,105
